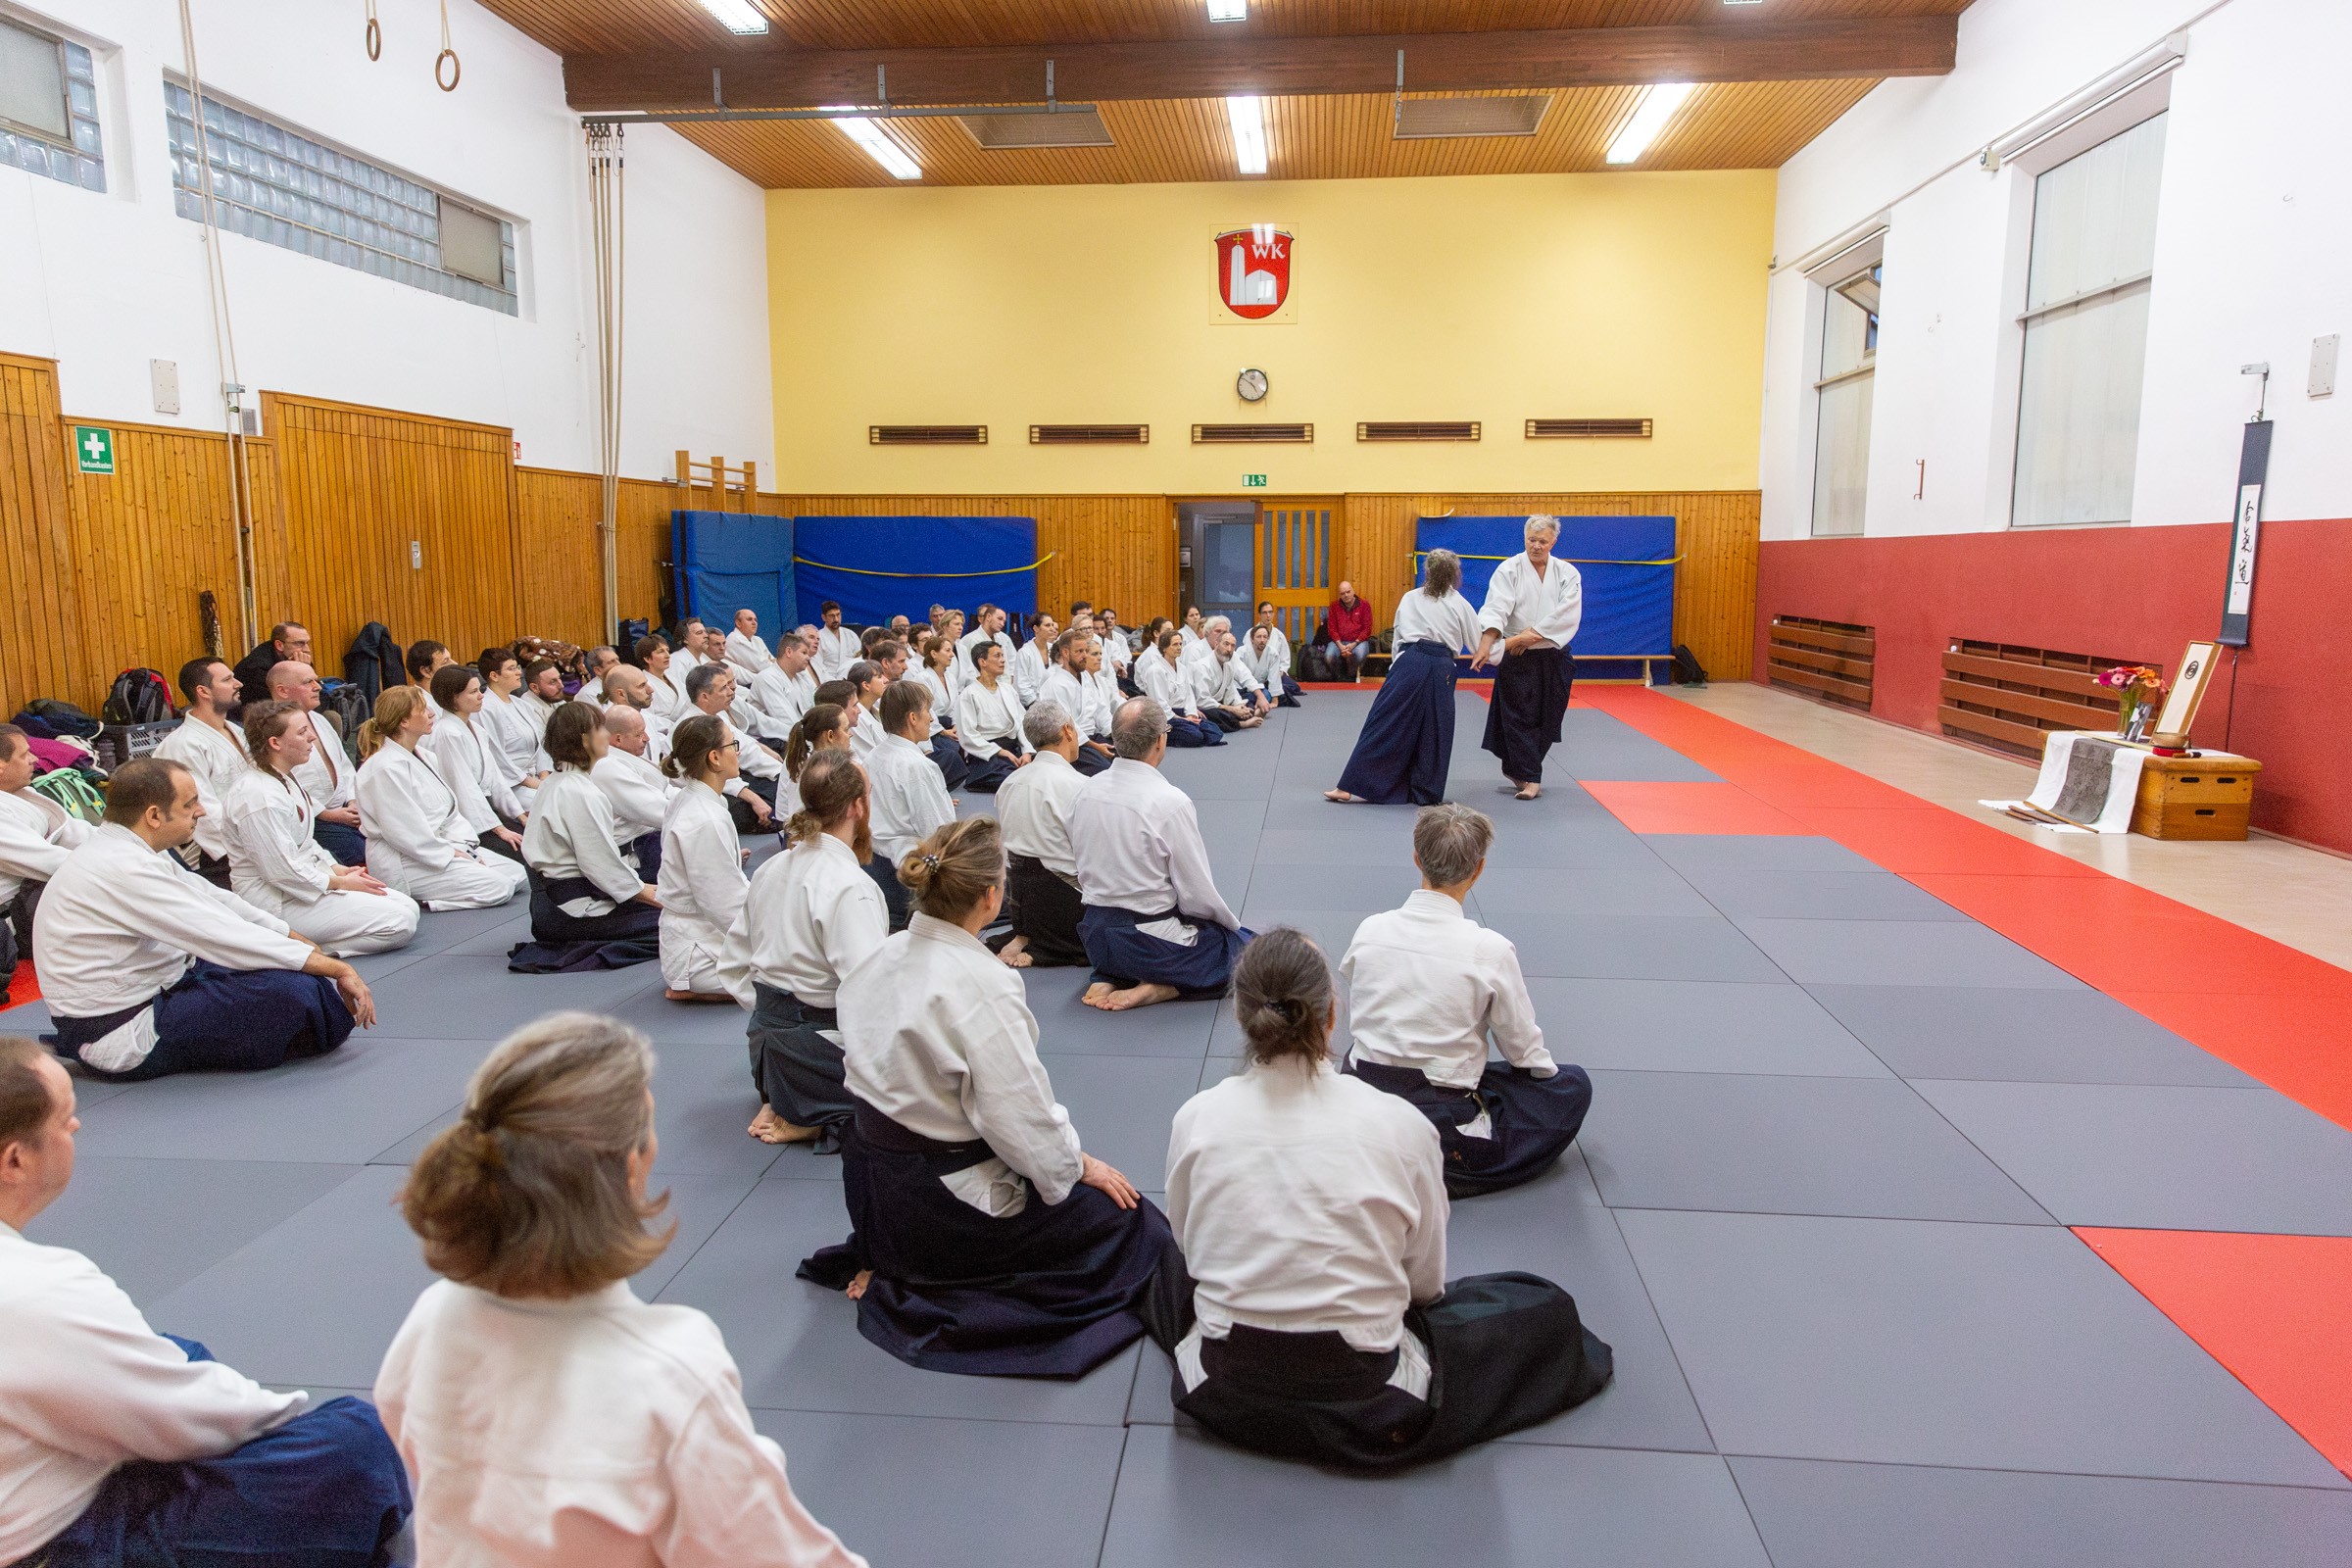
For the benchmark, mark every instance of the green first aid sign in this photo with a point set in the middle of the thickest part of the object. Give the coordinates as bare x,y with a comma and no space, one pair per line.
94,448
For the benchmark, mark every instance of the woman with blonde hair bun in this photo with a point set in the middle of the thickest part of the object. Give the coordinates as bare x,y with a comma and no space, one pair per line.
984,1239
549,1417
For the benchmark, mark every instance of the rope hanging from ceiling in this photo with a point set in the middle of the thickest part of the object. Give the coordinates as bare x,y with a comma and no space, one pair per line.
375,34
447,56
606,210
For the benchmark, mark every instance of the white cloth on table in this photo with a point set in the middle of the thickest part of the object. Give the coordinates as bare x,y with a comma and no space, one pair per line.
330,777
88,1387
909,795
810,916
275,865
987,719
1425,985
1448,618
589,1430
2115,796
748,653
1135,839
937,1035
1551,605
702,885
1033,808
836,651
570,835
1307,1202
420,842
35,836
215,759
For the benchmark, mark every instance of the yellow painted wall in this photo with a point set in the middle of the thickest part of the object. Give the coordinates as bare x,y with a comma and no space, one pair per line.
1494,298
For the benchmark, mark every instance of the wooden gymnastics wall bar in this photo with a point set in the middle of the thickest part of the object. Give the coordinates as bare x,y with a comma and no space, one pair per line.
710,83
717,475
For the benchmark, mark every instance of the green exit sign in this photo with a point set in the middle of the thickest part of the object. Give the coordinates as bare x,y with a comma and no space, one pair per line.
1254,481
94,448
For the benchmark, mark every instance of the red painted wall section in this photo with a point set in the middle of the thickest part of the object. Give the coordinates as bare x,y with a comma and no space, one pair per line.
2139,594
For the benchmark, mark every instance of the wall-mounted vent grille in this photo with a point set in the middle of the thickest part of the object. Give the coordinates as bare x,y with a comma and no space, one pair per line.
1225,434
1077,127
1587,429
1419,118
1090,435
1832,659
1417,431
926,436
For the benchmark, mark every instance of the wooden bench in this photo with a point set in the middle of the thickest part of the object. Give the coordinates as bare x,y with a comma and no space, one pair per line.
2208,797
2010,698
1827,659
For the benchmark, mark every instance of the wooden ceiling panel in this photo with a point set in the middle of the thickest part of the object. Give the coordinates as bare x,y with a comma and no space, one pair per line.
1342,136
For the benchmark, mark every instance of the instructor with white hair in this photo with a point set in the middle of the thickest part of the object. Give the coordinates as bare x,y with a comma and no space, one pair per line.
1534,606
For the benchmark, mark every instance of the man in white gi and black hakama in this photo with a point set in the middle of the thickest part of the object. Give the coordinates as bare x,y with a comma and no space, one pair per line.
590,908
35,836
1534,607
213,750
148,970
1085,696
1405,749
813,915
1426,985
634,783
1312,1209
1040,871
987,723
984,1240
1155,925
123,1445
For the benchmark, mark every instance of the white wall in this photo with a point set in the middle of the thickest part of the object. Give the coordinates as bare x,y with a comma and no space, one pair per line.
105,283
2253,231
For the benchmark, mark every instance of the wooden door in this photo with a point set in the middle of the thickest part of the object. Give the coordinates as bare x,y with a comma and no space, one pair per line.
1296,569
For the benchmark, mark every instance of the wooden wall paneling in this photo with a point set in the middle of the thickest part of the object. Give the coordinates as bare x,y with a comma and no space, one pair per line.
40,620
560,556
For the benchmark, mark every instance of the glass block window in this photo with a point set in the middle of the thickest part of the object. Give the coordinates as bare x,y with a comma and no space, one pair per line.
49,108
274,184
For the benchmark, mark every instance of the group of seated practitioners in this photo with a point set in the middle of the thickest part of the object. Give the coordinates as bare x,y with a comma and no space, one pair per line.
631,776
213,750
1228,694
1311,1209
515,719
1154,927
1269,656
590,908
910,799
149,970
752,795
329,775
469,759
118,1444
35,836
1086,696
782,691
419,840
1042,901
701,882
276,864
1426,986
987,720
988,627
549,1418
812,915
935,672
984,1239
1166,678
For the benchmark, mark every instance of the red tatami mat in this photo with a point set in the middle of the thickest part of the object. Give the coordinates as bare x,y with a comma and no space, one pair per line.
2276,1310
1690,808
23,986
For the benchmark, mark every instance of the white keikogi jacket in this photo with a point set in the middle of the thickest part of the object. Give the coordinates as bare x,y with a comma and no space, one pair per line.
836,651
571,835
330,776
215,759
1426,984
1137,840
702,885
120,923
464,755
812,915
518,735
1085,698
748,653
1551,605
780,698
985,717
410,816
943,701
35,836
1033,807
1028,671
638,792
910,799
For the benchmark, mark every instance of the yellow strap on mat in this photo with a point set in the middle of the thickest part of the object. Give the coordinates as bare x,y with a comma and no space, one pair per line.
860,571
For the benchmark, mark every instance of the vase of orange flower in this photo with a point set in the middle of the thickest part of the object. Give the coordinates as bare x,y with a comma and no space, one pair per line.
2139,691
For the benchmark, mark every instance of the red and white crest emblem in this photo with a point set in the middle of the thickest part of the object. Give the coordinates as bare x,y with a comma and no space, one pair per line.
1253,270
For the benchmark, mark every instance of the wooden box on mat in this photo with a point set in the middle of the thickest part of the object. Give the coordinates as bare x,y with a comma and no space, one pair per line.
2208,797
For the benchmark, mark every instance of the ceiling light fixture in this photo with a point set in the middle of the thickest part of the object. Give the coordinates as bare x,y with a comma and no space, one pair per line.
879,147
1249,120
1229,10
736,15
1657,106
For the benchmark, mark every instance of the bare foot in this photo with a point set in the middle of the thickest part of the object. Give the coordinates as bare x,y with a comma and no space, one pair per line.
1099,994
855,1289
1015,953
770,1128
1528,792
1340,795
763,1123
1143,996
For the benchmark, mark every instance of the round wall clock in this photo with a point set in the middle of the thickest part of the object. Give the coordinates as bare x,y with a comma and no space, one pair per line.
1250,384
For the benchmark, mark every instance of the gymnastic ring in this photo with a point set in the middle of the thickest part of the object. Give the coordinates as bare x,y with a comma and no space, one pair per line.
375,39
455,69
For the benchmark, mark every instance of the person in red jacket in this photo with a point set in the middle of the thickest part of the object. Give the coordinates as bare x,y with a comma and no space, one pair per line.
1349,622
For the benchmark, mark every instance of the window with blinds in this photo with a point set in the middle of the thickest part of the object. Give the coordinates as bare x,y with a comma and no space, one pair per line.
2085,322
1850,361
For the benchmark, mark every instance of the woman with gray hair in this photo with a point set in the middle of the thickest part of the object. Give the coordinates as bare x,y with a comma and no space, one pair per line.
548,1415
1534,607
1406,746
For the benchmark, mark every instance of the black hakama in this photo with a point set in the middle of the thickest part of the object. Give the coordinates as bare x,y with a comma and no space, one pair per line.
1223,718
797,1070
1285,691
1126,954
1187,733
224,1020
986,778
1046,909
741,814
1523,722
1506,1351
895,897
1407,745
1089,761
574,944
644,851
948,752
347,843
1530,1121
1052,1291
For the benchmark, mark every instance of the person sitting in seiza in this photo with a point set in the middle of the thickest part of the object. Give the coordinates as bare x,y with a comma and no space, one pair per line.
418,840
213,750
464,755
35,836
745,647
813,915
1229,692
701,882
148,969
635,788
751,796
1269,663
276,866
1160,672
590,910
516,728
1312,1211
984,1239
329,775
1084,700
1040,871
1155,925
118,1444
936,675
1036,657
783,690
552,1419
988,722
910,799
823,726
867,681
1426,985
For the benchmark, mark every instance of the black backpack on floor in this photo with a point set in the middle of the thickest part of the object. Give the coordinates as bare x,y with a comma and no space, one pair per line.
137,697
1688,672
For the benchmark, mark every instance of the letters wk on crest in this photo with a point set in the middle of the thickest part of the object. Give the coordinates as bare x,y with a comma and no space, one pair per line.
1253,270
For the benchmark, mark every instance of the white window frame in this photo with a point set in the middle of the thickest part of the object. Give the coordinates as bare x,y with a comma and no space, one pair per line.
78,157
1824,278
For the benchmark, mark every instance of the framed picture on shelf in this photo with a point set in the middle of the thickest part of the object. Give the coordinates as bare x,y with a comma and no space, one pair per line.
2188,690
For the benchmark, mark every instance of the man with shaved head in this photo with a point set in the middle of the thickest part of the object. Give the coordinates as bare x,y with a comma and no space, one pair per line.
634,784
329,776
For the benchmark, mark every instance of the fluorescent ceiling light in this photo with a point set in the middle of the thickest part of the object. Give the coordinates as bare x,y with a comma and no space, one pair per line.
1657,107
736,15
1229,10
1248,119
879,147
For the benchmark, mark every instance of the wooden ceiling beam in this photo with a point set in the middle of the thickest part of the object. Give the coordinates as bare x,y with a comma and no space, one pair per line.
785,77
